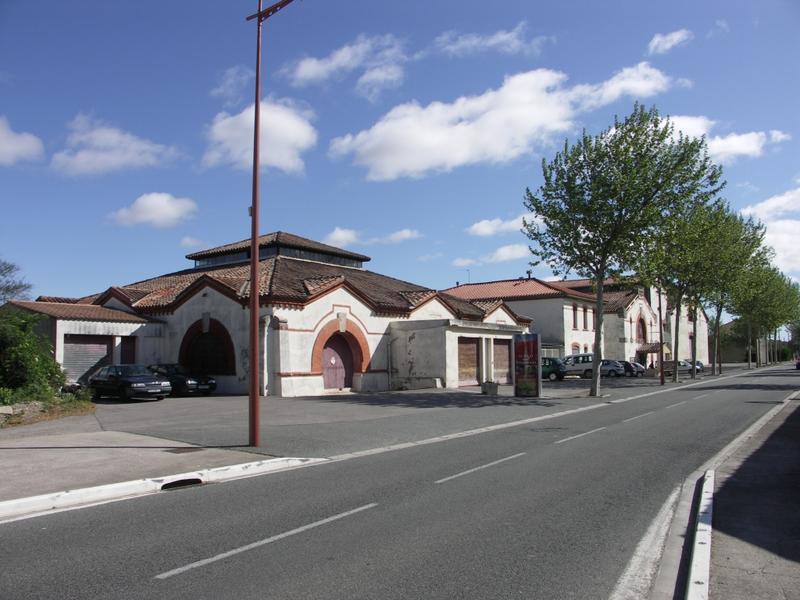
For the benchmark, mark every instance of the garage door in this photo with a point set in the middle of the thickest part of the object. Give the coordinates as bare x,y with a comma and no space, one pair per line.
502,361
84,354
468,353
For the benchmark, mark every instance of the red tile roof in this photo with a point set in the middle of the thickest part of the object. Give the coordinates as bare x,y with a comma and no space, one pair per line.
514,289
78,312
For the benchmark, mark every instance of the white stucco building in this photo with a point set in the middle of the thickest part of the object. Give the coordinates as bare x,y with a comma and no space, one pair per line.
326,324
563,313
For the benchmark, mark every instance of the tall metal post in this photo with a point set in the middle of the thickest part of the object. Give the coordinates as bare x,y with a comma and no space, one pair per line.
255,338
660,339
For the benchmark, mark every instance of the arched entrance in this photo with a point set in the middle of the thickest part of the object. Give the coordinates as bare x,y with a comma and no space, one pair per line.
337,363
208,350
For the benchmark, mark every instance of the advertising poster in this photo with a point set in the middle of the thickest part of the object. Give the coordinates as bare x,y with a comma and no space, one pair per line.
527,365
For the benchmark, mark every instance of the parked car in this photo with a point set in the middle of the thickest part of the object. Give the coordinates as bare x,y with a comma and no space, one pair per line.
129,381
579,364
632,369
553,368
699,365
611,368
797,364
184,382
684,366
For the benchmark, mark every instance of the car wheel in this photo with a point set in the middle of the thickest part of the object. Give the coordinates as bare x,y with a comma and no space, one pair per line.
587,374
552,376
613,373
95,395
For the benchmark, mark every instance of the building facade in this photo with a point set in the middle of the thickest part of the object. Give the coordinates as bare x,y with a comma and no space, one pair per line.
327,324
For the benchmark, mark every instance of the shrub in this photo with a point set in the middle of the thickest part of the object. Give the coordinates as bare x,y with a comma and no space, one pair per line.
27,366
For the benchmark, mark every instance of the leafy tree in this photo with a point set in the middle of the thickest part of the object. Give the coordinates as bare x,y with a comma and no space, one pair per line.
26,359
736,242
10,285
604,198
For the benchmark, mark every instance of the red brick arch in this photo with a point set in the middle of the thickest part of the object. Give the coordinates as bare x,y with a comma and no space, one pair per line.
356,340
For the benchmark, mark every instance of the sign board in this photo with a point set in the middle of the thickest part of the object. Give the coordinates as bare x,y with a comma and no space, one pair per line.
527,365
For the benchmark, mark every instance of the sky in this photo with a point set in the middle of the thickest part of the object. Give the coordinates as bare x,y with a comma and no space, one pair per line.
406,131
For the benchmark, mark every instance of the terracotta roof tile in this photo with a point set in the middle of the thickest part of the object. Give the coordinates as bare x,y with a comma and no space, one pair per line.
79,312
512,289
57,299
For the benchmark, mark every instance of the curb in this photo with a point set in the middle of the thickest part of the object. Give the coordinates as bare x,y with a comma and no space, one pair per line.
33,506
700,569
682,530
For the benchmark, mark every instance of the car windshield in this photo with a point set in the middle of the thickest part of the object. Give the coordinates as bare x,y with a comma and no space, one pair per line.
173,369
133,370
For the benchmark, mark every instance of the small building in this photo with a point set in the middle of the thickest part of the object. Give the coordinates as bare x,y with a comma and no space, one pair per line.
564,315
326,323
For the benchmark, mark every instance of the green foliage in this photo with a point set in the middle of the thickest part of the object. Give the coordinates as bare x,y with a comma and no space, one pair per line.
605,199
27,366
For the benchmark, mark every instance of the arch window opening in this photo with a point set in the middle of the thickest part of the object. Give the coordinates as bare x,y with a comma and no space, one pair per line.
208,352
337,363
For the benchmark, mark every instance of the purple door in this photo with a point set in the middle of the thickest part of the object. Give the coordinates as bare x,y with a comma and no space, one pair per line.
337,363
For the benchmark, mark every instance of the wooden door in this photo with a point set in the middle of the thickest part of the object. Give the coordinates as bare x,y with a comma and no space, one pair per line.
502,361
337,364
468,361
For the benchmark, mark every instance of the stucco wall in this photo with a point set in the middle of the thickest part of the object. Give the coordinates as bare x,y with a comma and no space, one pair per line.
417,350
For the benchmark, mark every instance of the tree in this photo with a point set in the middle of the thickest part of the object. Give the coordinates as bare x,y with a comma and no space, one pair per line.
10,285
604,198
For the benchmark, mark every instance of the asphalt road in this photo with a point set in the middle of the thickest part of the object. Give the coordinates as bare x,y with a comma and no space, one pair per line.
551,509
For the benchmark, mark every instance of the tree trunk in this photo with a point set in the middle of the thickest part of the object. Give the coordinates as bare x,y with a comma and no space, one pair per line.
717,345
694,345
749,346
675,341
598,336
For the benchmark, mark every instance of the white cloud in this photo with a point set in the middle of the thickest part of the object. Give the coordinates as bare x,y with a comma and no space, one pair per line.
94,147
157,209
489,227
15,147
721,26
380,58
505,42
502,254
664,42
781,216
529,109
727,148
464,262
341,237
286,132
429,257
232,85
347,237
188,241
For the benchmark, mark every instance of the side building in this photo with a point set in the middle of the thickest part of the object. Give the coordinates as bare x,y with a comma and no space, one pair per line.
326,323
563,313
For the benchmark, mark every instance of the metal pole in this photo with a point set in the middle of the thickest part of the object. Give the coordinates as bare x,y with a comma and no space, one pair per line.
660,340
254,412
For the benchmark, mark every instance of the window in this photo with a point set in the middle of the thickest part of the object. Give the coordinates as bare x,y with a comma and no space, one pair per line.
594,320
641,332
586,348
576,348
574,316
585,319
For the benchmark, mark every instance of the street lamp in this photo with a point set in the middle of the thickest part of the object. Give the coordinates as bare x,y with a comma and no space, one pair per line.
260,16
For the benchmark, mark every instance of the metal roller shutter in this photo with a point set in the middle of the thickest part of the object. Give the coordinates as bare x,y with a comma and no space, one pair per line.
502,361
468,353
83,354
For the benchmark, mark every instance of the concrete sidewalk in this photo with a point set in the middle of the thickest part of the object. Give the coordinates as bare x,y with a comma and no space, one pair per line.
755,549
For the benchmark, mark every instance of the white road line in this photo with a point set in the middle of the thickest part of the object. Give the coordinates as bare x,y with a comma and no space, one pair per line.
580,435
701,396
635,581
269,540
676,404
638,416
486,466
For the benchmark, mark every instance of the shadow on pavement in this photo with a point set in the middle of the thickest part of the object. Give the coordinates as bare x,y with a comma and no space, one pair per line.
428,400
758,503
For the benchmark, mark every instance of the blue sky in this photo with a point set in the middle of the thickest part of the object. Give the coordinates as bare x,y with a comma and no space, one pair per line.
407,131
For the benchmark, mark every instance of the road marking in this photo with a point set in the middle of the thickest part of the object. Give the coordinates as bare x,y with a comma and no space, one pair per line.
701,396
638,416
269,540
637,578
486,466
676,404
580,435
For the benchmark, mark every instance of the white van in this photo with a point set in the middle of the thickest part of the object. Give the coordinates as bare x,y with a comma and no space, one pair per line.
579,364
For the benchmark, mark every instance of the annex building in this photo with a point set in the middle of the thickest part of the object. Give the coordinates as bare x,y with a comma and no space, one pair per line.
327,323
564,315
